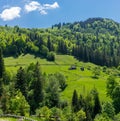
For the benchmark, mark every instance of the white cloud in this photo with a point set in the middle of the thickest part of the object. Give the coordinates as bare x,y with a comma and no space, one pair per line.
43,12
10,14
51,6
36,6
32,6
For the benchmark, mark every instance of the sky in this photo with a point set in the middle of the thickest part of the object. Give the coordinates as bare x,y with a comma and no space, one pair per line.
45,13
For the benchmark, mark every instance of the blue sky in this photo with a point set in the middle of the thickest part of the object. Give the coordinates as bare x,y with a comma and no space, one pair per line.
44,13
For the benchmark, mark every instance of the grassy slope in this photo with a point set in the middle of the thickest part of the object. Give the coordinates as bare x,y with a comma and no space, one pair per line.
82,81
8,119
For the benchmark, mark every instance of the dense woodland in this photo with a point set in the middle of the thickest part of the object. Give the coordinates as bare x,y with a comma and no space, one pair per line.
31,92
95,40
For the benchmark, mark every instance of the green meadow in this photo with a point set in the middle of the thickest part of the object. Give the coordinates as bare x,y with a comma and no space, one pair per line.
77,79
8,119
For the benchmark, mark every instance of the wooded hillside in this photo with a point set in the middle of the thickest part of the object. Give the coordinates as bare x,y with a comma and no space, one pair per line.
94,40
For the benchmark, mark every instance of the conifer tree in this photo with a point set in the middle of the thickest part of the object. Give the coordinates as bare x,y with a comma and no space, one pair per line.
116,98
37,87
75,101
108,109
97,105
21,81
2,67
49,44
1,87
81,102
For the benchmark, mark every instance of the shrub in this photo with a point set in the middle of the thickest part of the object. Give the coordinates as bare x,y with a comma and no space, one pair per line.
51,56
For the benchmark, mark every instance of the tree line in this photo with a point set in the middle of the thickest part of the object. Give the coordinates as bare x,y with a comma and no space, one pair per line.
95,40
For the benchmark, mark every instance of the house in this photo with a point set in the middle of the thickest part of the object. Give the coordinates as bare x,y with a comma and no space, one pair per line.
73,67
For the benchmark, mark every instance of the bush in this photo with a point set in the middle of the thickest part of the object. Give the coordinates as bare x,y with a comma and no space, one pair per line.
102,118
1,112
117,117
51,56
44,111
62,80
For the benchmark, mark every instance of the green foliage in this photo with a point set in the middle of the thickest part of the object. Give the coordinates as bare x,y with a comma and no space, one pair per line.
37,88
1,112
76,79
21,81
19,105
69,116
81,102
81,116
97,105
111,84
58,114
85,43
88,107
116,98
44,51
95,40
1,87
5,98
50,56
44,112
102,118
2,67
52,92
113,90
96,72
75,101
117,117
108,110
61,79
32,48
50,44
2,73
90,104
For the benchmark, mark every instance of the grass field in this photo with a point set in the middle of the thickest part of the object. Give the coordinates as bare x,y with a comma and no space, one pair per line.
82,81
8,119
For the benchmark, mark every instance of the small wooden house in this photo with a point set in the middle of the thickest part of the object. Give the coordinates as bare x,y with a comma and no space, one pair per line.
73,67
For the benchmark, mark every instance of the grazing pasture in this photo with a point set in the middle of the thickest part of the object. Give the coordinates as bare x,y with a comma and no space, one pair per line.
81,80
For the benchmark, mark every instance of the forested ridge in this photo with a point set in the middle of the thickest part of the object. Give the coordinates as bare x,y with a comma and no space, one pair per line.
95,40
29,91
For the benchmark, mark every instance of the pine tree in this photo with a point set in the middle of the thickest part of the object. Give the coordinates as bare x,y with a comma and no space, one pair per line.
97,105
37,87
1,87
116,98
75,106
88,108
111,84
49,44
21,81
81,102
108,109
2,67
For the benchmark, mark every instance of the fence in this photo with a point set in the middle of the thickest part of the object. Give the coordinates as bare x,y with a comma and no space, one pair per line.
21,118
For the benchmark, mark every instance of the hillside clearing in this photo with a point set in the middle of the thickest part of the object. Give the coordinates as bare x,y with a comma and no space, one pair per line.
77,79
